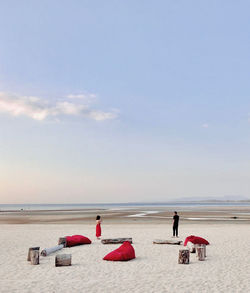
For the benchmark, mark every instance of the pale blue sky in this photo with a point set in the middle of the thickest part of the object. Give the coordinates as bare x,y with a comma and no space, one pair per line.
116,101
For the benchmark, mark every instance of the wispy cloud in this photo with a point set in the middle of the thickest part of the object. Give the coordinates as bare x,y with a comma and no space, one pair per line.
81,96
40,109
205,125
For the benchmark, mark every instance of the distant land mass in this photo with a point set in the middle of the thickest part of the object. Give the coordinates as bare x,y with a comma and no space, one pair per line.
225,198
230,198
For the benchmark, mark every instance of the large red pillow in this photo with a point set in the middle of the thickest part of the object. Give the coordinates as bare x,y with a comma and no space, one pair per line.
124,252
195,240
77,240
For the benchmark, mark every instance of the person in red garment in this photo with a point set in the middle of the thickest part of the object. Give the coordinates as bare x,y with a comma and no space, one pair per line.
98,227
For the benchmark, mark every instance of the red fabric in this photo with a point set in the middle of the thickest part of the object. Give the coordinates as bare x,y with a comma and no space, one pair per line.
77,240
98,230
124,252
195,240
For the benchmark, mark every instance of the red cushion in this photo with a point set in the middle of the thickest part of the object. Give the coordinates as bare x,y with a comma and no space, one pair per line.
195,240
124,252
77,240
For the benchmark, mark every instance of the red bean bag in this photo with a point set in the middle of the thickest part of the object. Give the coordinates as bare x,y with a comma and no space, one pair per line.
124,252
195,240
77,240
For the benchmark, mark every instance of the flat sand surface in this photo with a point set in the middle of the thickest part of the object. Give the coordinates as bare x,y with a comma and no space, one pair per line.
145,214
155,269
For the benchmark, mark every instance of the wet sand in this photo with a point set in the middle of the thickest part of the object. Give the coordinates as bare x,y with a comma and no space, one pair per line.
154,214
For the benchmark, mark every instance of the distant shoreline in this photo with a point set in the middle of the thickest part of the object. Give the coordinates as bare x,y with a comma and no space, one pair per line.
80,206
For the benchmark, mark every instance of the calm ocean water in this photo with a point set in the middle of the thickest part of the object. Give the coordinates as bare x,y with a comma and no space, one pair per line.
5,207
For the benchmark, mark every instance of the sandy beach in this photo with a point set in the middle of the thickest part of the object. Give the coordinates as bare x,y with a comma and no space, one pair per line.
155,269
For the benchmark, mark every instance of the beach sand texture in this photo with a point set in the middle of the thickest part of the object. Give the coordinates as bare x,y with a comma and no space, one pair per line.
155,269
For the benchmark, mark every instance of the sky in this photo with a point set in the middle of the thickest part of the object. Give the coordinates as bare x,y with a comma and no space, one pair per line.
124,101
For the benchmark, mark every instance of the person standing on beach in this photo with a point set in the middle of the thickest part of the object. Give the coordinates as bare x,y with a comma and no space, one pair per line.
175,224
98,227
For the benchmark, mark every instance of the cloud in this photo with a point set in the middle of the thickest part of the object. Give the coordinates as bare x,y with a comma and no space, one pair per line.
99,115
41,109
205,125
82,96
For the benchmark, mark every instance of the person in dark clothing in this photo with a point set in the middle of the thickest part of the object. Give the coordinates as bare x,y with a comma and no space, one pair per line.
175,224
